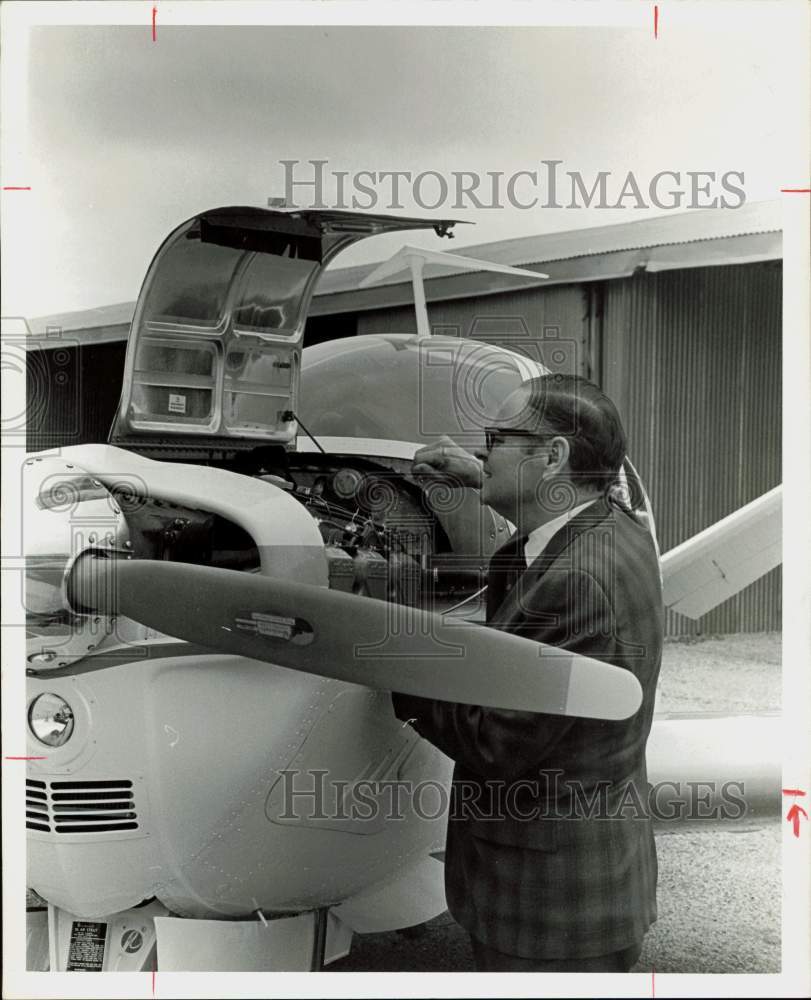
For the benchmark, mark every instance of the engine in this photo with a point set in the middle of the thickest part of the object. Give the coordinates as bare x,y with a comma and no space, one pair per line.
383,536
158,766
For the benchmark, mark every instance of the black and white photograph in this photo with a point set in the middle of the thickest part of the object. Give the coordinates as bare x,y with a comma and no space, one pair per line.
406,437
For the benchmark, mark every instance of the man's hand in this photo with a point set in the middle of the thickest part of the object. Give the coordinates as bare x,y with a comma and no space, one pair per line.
447,461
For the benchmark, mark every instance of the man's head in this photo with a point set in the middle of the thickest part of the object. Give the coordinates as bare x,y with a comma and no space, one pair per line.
557,437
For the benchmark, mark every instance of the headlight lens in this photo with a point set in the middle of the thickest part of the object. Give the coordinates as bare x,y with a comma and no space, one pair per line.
50,719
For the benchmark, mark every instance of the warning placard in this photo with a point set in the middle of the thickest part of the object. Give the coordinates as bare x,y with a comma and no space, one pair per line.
86,952
177,403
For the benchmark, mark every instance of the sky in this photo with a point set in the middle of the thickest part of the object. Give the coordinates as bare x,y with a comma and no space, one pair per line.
125,138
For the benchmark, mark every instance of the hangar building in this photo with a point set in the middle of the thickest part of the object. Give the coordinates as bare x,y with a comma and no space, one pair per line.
677,317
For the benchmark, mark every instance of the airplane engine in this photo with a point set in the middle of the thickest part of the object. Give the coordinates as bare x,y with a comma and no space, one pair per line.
216,784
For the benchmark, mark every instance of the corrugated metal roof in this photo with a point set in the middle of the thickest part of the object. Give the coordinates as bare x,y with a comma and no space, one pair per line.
666,230
574,270
700,238
83,319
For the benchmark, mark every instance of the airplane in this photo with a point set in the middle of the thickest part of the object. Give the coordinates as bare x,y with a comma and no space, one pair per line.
219,600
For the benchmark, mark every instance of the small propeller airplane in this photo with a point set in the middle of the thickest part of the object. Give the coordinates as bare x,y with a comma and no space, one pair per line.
217,608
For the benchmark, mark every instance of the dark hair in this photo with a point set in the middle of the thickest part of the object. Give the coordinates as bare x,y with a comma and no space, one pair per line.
575,408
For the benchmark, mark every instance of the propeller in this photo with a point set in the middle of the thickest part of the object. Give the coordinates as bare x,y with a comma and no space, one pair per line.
351,638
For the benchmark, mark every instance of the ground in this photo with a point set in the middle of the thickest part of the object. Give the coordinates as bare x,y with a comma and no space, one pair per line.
719,891
729,674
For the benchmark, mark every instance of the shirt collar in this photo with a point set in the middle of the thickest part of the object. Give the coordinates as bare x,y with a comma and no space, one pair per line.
538,539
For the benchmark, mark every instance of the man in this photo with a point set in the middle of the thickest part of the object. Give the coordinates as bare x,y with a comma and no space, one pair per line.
550,860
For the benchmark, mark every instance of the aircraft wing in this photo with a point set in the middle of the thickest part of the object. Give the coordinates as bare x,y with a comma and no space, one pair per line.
720,561
401,261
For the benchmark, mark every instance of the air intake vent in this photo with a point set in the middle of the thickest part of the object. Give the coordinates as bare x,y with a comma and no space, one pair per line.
81,806
36,806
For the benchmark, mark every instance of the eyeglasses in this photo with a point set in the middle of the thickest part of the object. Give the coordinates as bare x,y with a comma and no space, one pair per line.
498,435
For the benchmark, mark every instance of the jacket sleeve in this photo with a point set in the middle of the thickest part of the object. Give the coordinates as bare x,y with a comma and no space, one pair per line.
572,611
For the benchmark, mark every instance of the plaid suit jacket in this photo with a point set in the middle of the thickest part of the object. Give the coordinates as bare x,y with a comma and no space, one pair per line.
550,852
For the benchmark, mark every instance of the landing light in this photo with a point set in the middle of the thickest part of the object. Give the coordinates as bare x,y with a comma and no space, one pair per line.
50,719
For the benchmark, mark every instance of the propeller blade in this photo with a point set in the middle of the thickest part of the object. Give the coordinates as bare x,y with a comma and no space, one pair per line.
351,638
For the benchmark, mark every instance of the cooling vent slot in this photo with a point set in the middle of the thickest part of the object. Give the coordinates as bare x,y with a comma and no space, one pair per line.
81,806
36,806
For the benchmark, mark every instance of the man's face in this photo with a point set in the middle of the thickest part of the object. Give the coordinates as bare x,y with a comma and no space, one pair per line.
516,463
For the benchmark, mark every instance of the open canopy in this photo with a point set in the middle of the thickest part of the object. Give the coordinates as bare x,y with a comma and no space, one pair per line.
215,342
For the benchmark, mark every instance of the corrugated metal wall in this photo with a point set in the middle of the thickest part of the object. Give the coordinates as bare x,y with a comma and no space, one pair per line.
549,325
693,360
71,394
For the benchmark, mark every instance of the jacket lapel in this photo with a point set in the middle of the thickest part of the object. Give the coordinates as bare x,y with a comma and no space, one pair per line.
507,603
589,518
